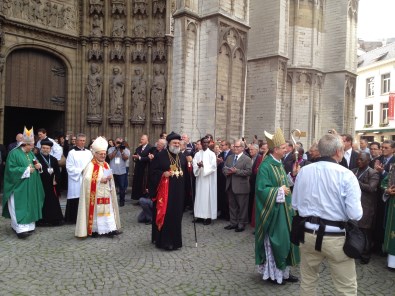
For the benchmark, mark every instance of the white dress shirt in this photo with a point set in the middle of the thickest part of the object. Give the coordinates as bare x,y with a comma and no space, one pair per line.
347,156
327,190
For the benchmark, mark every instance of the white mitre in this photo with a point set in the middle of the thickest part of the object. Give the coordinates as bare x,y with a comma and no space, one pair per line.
100,144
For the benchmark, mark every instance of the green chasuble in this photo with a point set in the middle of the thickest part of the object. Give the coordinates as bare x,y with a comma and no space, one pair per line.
28,192
389,235
271,218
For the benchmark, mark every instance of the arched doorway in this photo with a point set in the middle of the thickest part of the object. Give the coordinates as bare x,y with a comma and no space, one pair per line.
35,93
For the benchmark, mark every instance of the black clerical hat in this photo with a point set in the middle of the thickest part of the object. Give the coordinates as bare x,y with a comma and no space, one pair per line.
46,143
172,136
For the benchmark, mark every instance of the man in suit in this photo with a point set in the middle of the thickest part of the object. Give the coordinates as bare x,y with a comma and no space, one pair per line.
375,153
141,167
350,156
223,205
237,170
289,158
18,138
254,149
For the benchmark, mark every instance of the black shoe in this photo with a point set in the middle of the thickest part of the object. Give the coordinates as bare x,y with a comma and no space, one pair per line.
116,232
239,229
121,203
207,222
95,235
230,227
197,220
23,235
148,222
292,279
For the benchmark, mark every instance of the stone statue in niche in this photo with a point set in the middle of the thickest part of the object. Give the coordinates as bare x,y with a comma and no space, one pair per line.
139,30
118,6
117,90
97,26
94,87
95,53
160,28
139,53
118,29
139,95
140,6
117,53
158,94
158,53
158,6
96,6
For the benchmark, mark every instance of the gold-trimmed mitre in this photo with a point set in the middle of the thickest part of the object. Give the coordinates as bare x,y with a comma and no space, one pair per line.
28,136
275,140
100,144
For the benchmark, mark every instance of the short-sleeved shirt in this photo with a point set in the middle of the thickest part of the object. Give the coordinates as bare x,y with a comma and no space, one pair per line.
117,164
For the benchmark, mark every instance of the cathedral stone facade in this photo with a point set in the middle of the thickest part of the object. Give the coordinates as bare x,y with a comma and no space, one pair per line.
231,68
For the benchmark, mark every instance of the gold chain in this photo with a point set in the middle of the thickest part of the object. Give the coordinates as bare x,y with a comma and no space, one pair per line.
175,165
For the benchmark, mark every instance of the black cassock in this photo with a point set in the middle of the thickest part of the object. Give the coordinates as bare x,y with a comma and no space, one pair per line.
169,237
52,213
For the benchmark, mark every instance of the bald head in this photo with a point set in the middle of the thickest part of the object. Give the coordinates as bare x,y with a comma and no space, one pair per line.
19,137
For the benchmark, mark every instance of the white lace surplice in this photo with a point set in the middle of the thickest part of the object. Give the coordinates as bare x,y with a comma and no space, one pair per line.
104,224
269,269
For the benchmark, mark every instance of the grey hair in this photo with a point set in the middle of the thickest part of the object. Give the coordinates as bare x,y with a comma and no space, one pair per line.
241,142
329,144
164,142
255,146
80,135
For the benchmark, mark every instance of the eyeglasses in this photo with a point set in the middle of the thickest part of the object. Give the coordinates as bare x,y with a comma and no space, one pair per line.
237,146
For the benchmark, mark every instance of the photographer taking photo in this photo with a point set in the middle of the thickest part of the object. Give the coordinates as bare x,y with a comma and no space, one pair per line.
118,156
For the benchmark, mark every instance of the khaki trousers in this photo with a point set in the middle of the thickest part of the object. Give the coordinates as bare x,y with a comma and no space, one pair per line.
341,266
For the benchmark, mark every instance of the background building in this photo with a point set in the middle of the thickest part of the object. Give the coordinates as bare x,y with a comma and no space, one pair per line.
374,110
228,67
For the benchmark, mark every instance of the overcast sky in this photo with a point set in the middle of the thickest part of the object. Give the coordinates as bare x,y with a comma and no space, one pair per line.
376,19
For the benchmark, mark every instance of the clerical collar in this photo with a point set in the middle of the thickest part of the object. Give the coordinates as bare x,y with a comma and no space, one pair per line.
79,149
279,161
326,158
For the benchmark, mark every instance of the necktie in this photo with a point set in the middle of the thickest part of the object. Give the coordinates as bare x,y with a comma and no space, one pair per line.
235,160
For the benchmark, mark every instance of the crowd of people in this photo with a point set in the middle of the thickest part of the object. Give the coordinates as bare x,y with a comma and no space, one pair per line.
264,184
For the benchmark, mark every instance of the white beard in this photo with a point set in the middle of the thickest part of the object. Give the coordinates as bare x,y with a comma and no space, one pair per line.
174,150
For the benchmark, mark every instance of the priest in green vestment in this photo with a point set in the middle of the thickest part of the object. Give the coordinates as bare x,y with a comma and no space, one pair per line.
23,196
274,252
388,185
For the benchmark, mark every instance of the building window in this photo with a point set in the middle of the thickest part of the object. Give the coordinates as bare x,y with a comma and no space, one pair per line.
370,87
368,115
385,83
384,113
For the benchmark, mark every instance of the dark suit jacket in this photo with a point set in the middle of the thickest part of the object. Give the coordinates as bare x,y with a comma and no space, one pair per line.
140,175
353,161
222,155
239,182
288,162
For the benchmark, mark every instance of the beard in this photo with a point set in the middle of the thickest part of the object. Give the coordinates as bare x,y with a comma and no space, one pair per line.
174,150
44,153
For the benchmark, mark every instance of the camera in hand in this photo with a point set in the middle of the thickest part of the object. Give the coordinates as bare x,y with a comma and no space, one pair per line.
121,145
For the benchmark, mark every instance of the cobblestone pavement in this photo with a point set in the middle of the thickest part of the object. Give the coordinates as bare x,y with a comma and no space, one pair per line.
53,262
